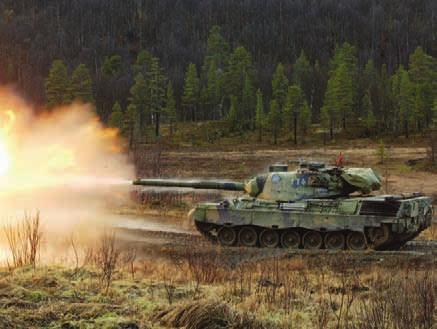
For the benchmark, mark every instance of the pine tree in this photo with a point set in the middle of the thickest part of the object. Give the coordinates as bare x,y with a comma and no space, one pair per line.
385,115
339,97
279,86
217,49
143,62
274,120
248,103
116,119
423,75
58,85
370,84
344,66
170,107
215,62
156,89
240,65
302,75
368,115
293,105
112,65
344,93
330,111
233,116
305,117
139,98
260,117
406,102
82,85
212,93
130,120
190,98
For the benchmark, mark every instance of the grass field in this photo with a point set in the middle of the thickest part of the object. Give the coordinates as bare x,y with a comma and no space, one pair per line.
106,284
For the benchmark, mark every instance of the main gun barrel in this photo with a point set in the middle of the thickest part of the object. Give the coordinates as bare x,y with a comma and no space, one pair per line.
197,184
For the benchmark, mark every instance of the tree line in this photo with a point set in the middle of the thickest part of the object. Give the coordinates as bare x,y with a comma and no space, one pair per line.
113,33
338,95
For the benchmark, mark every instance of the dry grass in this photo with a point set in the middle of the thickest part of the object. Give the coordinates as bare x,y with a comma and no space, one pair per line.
24,241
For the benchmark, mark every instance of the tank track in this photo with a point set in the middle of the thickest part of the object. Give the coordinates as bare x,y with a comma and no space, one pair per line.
212,232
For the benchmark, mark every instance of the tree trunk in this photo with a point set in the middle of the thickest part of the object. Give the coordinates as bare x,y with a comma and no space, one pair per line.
295,129
157,124
406,129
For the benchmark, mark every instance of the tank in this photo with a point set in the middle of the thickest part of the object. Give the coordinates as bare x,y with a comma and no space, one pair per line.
313,207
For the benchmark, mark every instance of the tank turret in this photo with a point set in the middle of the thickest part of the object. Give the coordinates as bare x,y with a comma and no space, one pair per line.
311,180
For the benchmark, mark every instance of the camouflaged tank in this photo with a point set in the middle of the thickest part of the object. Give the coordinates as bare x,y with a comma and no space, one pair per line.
313,207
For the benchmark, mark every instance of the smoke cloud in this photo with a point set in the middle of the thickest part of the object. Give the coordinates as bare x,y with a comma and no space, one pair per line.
63,163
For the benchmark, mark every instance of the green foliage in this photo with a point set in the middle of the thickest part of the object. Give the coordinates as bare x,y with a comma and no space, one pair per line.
368,115
423,75
302,75
143,62
190,98
58,85
234,116
130,121
156,90
406,101
170,107
305,117
217,49
338,101
260,116
279,85
112,65
82,85
293,104
240,66
116,118
248,102
274,120
139,99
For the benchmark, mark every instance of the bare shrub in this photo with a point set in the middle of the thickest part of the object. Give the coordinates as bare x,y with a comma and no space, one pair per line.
24,241
128,257
407,300
203,263
107,257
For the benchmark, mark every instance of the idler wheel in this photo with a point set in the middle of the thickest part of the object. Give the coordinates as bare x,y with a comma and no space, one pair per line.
269,238
312,240
248,237
227,236
379,235
356,241
334,240
290,239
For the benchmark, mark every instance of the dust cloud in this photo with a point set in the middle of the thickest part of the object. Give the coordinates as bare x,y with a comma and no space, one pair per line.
63,163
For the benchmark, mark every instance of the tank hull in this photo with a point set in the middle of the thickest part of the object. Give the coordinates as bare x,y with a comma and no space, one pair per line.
380,222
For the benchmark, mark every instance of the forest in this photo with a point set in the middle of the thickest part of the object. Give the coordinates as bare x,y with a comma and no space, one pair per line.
275,67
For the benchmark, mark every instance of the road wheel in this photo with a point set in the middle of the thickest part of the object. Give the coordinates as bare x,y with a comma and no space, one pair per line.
248,237
269,238
312,240
356,241
334,240
290,239
227,236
